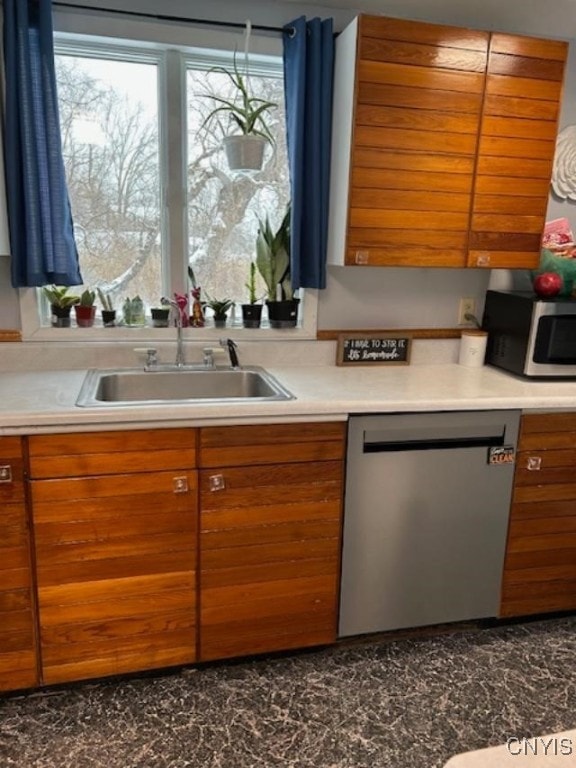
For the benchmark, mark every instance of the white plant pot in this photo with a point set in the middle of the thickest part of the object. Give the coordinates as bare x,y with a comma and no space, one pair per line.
245,153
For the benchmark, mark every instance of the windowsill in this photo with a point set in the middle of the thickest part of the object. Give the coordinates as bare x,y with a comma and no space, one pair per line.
33,331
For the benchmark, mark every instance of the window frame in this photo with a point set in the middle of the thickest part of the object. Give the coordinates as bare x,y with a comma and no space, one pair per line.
137,43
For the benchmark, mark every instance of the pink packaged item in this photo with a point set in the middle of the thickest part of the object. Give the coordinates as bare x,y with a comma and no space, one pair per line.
557,235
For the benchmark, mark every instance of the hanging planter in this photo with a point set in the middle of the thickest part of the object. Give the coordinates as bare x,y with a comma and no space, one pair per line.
245,152
247,131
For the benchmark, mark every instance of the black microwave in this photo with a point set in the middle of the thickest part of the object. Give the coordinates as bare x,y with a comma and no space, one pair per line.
531,336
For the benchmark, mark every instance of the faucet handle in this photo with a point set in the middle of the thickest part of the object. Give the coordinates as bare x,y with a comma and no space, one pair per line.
151,355
208,354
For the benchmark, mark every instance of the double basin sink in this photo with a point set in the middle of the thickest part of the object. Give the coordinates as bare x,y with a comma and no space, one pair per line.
124,387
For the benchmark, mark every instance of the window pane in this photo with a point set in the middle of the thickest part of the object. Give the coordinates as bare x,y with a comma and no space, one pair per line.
223,206
109,123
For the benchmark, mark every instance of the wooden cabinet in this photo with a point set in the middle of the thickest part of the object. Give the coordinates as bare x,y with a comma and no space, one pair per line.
132,575
271,506
540,564
18,658
516,150
115,516
443,144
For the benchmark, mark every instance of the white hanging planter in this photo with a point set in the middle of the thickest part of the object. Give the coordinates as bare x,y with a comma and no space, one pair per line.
245,152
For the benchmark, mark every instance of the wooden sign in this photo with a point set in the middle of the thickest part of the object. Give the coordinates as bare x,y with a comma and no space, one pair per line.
373,349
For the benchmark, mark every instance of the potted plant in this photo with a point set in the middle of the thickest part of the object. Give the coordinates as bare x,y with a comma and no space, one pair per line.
61,303
108,311
247,115
133,312
85,309
220,309
251,312
273,262
160,316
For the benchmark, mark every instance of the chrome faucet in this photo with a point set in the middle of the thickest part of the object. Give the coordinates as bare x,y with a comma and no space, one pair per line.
231,346
179,362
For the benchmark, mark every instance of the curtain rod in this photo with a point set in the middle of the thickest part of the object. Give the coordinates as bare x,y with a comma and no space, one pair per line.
164,17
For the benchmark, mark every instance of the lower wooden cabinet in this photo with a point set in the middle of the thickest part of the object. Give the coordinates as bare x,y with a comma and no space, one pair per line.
540,565
115,551
270,522
156,548
18,657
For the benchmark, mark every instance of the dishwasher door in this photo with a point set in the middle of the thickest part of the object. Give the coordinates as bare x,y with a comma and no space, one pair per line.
426,518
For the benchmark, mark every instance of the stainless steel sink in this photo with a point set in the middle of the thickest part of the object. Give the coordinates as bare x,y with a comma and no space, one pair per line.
137,387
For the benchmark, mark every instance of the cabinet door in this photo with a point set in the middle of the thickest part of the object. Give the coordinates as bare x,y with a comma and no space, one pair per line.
419,93
270,538
115,552
516,150
18,658
540,564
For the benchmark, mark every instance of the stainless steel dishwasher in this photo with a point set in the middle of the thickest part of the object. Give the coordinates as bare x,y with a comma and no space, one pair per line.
426,518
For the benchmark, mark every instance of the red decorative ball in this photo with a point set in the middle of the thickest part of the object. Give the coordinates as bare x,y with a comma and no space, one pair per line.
548,284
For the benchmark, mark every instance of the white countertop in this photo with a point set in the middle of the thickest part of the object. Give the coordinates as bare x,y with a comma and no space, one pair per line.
45,401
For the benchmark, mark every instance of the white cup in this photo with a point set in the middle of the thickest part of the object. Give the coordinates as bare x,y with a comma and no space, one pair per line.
473,347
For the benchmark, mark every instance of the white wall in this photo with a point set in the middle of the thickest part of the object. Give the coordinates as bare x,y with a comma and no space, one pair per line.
372,297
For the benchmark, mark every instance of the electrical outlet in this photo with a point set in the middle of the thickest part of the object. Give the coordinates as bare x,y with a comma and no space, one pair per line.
466,306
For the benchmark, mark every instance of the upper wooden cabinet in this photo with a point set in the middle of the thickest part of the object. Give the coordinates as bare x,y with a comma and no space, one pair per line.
443,143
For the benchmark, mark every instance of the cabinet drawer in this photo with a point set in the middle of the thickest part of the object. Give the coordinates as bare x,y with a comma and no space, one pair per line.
99,453
271,444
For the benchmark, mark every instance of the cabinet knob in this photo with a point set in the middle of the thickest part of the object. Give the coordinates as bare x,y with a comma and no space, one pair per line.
362,257
5,473
533,463
483,260
180,484
216,482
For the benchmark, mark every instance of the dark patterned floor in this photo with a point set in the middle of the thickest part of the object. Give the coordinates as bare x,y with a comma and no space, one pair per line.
391,704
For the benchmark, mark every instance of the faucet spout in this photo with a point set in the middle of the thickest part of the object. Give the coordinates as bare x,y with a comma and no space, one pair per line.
179,362
231,346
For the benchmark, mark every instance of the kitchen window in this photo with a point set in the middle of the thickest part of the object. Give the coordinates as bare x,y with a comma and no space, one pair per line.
150,190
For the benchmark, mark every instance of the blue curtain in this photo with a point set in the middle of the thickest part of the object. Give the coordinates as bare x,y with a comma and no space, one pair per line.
39,216
308,48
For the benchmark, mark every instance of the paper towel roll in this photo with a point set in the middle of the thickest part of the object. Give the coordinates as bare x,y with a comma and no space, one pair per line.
473,347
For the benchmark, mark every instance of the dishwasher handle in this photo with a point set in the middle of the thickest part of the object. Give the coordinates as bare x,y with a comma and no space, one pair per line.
434,438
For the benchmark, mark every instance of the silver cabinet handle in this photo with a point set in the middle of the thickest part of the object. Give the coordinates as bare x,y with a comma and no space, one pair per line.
180,484
534,463
5,473
216,482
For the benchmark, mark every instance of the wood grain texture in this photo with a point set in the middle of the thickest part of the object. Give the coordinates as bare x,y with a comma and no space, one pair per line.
10,335
269,558
408,256
421,78
381,27
423,55
116,559
18,643
475,112
534,47
247,446
98,453
540,565
329,334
